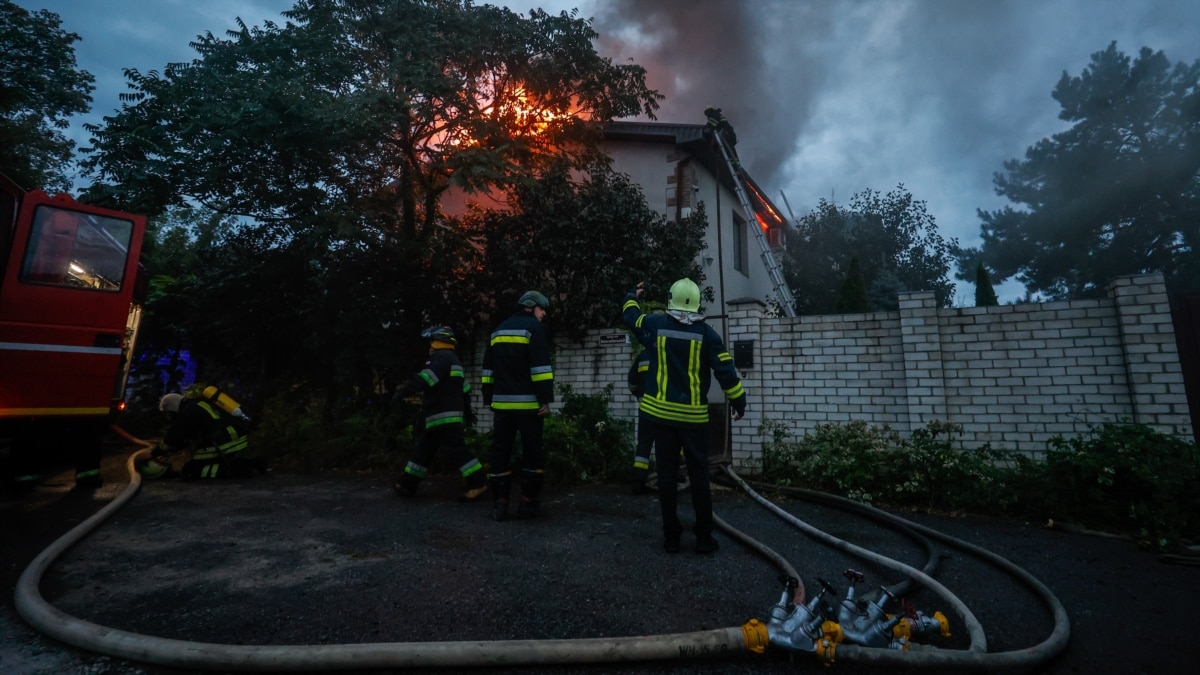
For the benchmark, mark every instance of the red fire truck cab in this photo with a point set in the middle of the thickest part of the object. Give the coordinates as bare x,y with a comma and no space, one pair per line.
69,313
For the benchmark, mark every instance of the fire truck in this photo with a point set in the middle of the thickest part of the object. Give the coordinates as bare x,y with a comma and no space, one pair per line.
70,304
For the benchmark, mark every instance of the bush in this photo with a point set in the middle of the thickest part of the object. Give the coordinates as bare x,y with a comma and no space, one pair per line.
874,465
297,432
584,442
1129,478
1125,478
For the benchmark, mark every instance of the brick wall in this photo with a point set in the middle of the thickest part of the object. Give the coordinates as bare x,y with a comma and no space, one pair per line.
1012,376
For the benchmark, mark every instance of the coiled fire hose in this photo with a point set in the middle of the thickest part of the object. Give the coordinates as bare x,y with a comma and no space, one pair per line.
750,637
973,659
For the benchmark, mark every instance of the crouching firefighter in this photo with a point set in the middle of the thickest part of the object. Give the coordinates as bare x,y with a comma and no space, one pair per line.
211,430
445,403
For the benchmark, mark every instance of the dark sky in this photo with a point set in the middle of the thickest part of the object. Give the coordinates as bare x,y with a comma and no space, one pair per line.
828,98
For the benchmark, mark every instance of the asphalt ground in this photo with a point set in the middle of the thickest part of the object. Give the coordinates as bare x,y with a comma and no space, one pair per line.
288,559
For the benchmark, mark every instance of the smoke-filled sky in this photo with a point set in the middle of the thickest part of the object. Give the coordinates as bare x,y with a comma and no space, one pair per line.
828,98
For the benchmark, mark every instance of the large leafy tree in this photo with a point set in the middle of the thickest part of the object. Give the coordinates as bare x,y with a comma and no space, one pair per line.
1117,193
331,139
894,238
40,88
585,242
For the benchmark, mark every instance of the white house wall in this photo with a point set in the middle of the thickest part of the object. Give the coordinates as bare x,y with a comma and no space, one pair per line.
653,167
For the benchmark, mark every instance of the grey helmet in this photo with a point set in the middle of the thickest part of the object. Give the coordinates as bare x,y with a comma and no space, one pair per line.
534,299
442,333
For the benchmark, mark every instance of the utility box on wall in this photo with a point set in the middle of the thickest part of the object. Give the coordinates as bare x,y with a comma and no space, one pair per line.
743,354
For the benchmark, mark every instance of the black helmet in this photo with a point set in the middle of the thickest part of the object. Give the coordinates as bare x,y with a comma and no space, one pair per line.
443,333
534,299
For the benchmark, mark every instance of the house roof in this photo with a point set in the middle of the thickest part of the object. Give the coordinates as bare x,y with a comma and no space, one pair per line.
687,137
693,139
654,131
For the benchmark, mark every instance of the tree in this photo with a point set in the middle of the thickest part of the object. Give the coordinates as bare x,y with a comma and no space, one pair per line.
585,243
985,295
40,88
895,239
852,296
1117,193
331,140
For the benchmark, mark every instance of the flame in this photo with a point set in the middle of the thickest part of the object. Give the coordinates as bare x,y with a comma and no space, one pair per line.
765,213
534,117
521,113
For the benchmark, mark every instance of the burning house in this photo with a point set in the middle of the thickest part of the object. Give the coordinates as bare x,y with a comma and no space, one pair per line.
679,166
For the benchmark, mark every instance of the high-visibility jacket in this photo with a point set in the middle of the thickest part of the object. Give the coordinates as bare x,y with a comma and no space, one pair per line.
208,430
444,388
517,374
637,373
683,358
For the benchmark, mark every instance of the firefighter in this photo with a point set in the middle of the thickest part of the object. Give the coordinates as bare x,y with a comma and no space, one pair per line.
212,436
445,403
685,353
718,123
518,385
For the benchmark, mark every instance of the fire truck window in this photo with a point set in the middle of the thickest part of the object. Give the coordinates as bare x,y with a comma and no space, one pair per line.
78,250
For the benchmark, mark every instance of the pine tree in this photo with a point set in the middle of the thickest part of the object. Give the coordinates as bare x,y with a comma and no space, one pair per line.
852,298
984,295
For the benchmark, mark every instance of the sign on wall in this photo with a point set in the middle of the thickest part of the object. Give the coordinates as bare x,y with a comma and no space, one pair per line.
614,339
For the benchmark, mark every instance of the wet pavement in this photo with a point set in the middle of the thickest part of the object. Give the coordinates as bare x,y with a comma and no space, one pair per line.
288,559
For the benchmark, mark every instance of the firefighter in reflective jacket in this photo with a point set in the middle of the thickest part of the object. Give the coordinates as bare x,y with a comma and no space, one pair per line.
445,402
216,438
518,385
683,352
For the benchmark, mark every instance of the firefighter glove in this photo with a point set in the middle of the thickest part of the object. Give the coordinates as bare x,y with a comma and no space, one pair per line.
739,405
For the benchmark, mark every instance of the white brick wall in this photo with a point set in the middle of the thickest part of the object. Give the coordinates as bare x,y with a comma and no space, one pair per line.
1012,376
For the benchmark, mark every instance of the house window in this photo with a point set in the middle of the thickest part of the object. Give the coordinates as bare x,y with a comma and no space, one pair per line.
741,259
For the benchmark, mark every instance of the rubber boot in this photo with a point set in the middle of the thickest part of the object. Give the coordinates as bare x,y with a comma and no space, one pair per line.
637,481
531,489
476,488
88,479
500,487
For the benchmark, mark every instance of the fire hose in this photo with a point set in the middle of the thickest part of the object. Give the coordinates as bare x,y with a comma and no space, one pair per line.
754,636
973,659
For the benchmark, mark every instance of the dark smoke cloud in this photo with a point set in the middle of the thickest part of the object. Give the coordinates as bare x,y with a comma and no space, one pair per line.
726,54
831,98
828,97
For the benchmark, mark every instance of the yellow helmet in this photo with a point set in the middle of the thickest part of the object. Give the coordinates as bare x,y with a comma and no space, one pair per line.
684,295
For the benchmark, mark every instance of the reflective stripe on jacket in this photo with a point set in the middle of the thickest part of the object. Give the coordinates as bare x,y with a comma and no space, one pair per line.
222,432
444,388
517,373
683,358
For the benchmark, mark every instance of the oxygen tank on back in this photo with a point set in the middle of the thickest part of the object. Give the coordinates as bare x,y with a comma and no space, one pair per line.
224,402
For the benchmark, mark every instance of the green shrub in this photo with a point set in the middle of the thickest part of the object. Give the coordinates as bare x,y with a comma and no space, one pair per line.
297,432
874,465
1128,478
1124,478
584,442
